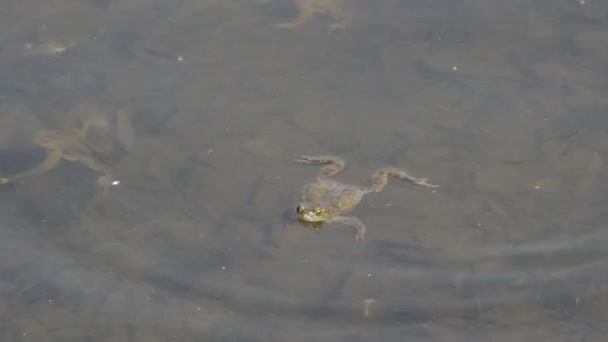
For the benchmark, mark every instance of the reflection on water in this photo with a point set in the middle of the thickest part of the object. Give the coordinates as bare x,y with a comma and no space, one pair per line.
206,105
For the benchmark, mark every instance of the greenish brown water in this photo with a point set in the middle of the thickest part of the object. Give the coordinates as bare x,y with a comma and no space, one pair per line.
502,103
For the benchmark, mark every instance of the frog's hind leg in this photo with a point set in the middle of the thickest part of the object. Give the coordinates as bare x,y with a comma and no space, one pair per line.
380,179
351,221
333,165
51,161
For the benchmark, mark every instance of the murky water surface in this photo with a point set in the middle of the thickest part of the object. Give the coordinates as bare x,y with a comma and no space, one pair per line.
197,108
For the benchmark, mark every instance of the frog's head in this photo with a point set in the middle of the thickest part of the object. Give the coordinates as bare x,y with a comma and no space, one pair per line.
312,214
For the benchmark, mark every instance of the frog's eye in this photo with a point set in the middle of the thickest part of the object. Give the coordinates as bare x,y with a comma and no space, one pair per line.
299,209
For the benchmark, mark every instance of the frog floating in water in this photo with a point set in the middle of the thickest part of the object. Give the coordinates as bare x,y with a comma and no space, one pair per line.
87,144
325,200
308,8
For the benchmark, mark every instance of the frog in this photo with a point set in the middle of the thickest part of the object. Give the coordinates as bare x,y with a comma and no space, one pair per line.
308,8
326,200
85,144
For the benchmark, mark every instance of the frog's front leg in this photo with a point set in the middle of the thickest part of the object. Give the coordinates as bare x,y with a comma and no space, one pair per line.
333,164
107,180
351,221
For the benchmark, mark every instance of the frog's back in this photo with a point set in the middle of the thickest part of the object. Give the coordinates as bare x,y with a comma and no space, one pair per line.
347,199
328,193
316,191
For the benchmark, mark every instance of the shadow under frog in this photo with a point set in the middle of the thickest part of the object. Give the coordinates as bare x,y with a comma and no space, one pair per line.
325,200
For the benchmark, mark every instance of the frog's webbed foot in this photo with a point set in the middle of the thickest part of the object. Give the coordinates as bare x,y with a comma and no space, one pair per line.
333,164
380,179
424,182
351,221
339,26
106,182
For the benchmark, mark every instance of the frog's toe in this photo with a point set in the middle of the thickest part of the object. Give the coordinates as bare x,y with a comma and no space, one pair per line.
303,159
4,180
